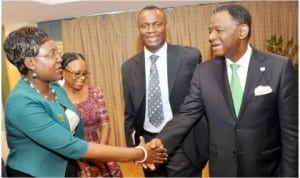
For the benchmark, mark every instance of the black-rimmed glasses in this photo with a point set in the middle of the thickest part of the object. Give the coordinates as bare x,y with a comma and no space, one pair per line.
77,75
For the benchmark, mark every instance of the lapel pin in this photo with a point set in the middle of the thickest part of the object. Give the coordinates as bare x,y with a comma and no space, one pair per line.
262,69
61,117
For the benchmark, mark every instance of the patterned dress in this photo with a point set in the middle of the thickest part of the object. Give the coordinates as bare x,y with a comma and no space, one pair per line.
94,114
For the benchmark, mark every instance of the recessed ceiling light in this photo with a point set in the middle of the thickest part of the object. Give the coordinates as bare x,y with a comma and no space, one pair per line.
54,2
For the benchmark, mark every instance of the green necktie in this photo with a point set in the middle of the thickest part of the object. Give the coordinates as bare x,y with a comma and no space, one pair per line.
236,88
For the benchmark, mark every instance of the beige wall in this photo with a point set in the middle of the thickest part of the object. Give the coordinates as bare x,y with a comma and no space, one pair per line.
12,71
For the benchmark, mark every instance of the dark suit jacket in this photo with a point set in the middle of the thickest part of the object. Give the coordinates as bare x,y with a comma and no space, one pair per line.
181,63
263,140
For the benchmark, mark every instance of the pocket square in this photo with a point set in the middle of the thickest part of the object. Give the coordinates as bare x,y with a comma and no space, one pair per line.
262,90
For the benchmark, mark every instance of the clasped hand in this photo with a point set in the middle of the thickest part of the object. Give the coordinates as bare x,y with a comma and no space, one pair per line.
157,154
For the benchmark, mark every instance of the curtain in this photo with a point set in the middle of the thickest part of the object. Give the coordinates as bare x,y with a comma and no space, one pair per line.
108,40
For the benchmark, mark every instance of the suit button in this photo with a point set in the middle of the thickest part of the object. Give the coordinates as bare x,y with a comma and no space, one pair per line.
234,151
237,129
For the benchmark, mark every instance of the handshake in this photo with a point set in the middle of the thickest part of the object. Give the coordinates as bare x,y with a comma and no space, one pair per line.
154,153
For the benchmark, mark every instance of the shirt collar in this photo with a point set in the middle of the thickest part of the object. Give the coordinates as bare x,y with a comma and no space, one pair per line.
244,60
160,52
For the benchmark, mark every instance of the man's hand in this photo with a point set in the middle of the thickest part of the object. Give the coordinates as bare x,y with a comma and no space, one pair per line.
155,153
154,144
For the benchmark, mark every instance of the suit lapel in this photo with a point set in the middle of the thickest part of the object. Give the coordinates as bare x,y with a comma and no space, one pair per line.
173,62
220,73
254,75
140,82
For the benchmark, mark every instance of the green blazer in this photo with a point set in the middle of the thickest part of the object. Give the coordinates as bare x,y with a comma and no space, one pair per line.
38,132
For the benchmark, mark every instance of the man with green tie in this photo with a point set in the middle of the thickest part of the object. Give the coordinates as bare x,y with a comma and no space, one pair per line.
251,102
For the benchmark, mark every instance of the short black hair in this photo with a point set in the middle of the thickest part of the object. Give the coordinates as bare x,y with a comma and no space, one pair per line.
69,57
237,12
24,42
152,7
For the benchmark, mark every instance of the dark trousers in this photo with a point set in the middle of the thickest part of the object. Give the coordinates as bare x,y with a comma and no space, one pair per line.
15,173
177,165
3,170
71,171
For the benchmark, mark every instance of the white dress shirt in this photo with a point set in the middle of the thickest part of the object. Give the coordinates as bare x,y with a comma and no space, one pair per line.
162,68
73,119
243,69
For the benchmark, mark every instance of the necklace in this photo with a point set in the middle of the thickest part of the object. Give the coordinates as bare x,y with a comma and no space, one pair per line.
39,92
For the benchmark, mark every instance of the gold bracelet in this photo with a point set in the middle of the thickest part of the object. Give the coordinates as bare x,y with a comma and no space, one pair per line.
145,154
83,172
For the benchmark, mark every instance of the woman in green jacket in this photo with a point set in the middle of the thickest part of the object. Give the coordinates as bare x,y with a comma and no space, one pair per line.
44,132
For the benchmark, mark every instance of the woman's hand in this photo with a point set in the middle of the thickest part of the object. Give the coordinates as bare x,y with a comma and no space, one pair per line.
154,153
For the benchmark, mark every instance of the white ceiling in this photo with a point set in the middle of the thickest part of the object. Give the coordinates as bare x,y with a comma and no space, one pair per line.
17,11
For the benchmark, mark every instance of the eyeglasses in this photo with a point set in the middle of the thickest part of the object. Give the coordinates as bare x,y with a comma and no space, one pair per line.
77,75
52,55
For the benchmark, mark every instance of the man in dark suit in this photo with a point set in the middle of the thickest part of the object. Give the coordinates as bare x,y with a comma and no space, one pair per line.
259,137
175,65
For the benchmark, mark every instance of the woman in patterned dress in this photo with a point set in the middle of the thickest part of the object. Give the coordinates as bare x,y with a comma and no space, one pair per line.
89,101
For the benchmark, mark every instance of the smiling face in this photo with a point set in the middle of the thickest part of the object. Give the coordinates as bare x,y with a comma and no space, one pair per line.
226,36
75,74
152,28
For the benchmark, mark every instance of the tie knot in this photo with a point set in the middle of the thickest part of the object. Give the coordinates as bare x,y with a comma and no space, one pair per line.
234,67
153,58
